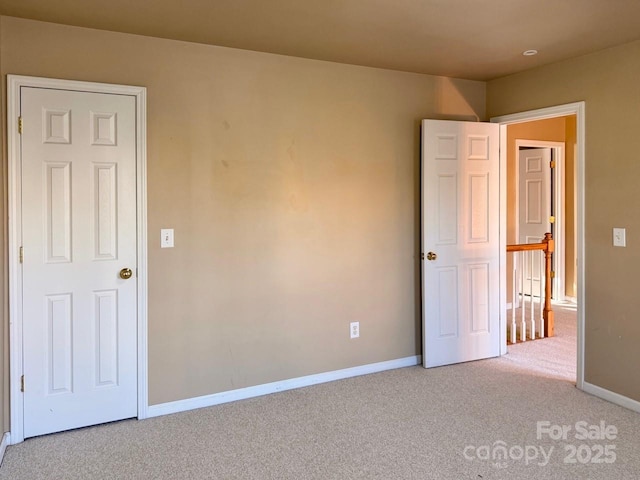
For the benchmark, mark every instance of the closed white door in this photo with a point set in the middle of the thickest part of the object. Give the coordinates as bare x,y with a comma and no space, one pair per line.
460,241
534,211
78,154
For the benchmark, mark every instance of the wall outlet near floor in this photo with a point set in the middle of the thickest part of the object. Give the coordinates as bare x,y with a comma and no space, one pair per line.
354,329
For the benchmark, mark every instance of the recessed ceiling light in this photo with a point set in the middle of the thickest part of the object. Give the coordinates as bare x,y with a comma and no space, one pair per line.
530,53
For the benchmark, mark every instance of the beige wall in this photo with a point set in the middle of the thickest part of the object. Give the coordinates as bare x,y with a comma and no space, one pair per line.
571,272
608,83
560,129
293,188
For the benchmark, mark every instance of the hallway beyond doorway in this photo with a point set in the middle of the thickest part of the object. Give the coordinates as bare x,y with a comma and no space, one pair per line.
555,356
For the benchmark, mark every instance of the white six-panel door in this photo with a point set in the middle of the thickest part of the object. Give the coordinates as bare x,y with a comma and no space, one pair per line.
78,153
460,241
534,208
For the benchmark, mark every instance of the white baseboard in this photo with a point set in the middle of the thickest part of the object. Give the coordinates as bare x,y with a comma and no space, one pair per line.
612,397
3,446
267,388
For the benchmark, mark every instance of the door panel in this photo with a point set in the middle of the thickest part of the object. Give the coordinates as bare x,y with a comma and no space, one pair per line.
79,230
460,226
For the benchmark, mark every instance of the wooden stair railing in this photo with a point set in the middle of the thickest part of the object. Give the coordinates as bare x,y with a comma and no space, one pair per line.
546,246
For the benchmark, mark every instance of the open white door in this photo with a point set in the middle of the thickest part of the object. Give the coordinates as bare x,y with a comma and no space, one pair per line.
460,241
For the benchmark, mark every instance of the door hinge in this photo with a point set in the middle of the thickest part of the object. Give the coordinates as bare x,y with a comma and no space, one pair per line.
20,125
553,274
22,383
21,254
552,164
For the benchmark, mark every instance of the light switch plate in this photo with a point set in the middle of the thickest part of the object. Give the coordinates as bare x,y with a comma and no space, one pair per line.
619,237
166,238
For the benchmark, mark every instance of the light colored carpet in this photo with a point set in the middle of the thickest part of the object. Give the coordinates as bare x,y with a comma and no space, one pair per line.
409,423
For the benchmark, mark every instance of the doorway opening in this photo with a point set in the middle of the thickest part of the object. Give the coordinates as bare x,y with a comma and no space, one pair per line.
533,129
541,204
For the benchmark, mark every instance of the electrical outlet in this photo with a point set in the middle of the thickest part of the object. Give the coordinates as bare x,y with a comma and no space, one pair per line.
354,329
619,237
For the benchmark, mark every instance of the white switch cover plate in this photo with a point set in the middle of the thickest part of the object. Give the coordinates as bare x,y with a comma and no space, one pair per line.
166,238
619,237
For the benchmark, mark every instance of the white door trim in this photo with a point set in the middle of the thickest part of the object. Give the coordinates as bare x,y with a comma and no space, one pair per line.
577,109
559,194
14,83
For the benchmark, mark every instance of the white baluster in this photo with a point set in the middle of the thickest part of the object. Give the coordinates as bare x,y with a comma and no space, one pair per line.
532,307
523,324
543,278
514,297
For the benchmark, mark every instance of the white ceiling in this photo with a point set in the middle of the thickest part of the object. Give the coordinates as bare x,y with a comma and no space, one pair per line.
474,39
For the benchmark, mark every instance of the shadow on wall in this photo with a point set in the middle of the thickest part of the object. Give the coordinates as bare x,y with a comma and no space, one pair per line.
453,95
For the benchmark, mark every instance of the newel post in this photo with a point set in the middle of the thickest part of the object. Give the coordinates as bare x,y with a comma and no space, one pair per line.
547,313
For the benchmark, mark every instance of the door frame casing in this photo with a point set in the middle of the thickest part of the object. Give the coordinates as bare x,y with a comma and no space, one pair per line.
558,175
14,84
577,109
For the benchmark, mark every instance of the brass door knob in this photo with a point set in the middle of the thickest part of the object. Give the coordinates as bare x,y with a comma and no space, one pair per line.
431,256
126,273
